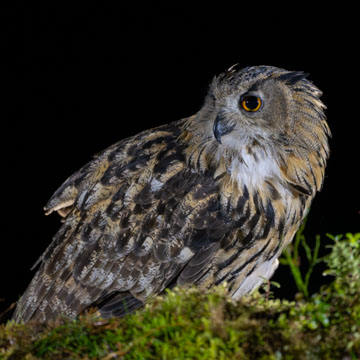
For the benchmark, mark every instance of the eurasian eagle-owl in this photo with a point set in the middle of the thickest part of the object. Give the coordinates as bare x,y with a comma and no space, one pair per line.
210,198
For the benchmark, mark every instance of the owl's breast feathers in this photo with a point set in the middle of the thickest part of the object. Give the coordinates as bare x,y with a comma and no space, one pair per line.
153,210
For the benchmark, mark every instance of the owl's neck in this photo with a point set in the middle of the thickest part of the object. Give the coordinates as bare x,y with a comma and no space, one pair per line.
241,159
246,160
252,166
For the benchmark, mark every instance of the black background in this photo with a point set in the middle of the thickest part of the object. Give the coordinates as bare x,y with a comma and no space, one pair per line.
76,80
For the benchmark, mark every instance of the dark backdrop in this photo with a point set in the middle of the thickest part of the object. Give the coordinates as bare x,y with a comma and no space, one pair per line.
76,80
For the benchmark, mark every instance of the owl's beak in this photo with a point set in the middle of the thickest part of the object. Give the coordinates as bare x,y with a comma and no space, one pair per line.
222,126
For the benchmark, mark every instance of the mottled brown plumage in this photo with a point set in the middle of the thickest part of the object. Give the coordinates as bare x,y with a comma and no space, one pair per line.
211,198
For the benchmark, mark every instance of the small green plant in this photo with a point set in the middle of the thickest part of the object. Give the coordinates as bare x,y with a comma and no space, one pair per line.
344,259
291,258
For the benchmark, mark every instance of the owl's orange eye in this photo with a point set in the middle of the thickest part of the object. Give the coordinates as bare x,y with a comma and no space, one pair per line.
250,103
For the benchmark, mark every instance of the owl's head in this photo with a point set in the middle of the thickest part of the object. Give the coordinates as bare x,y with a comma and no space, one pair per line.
266,105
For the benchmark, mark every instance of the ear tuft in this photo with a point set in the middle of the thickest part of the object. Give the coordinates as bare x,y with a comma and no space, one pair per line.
292,77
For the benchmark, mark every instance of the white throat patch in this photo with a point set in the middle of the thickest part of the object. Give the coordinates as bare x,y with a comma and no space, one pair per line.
253,168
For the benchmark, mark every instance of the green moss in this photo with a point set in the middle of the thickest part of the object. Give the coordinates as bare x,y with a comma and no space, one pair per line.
189,324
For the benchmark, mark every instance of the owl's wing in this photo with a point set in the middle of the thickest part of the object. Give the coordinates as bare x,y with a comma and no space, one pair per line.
137,220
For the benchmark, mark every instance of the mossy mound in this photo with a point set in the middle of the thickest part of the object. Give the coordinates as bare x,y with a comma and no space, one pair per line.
189,324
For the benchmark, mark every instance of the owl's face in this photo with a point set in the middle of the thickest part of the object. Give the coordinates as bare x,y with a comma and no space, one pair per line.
257,104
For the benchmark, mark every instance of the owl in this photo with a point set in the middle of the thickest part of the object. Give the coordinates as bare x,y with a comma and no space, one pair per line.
208,199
